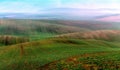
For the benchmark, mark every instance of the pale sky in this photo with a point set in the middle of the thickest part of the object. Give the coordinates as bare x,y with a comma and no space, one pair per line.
37,6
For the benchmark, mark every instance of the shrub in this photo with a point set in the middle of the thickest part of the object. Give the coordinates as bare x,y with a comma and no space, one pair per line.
9,40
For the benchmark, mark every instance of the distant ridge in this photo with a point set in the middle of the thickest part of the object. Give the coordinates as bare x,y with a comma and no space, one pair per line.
109,35
60,13
110,18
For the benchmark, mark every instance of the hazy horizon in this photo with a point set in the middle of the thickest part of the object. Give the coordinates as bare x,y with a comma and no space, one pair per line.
47,6
61,9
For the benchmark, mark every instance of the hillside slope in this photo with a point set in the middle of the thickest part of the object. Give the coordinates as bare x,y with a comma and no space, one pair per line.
35,29
109,35
39,53
24,26
88,24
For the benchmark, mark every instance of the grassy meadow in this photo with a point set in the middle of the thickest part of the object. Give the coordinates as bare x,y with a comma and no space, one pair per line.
59,45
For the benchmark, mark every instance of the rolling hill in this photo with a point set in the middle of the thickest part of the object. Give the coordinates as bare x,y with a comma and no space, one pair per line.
35,29
36,44
41,29
27,26
39,53
110,18
109,35
88,24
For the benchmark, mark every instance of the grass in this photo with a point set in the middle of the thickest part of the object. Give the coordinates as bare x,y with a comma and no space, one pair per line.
41,36
46,52
39,53
97,61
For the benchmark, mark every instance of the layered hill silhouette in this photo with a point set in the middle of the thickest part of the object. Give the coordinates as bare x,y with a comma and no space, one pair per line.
12,26
110,18
70,38
109,35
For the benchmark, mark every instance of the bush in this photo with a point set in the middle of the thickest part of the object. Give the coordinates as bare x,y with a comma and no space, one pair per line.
9,40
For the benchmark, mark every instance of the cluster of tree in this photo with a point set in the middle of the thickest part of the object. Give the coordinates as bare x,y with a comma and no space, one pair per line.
9,40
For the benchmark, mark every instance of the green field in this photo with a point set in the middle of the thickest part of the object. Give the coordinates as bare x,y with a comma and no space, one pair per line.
57,46
43,52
